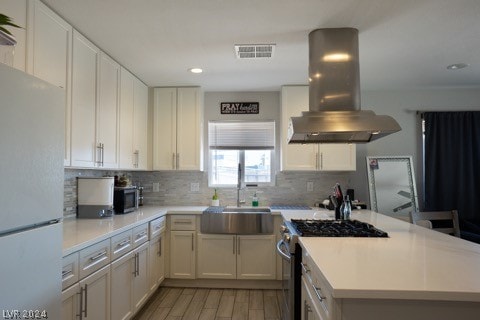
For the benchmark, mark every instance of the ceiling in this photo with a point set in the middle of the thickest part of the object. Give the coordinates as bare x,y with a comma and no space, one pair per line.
403,44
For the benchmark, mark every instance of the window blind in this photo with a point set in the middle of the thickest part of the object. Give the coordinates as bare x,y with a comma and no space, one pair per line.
241,135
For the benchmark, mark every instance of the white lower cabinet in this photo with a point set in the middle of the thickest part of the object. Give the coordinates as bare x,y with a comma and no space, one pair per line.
88,274
95,295
70,302
121,303
129,283
182,254
140,280
156,262
308,308
236,256
256,257
216,256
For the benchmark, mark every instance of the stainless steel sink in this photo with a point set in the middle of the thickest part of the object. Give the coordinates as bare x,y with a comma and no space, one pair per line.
236,220
246,210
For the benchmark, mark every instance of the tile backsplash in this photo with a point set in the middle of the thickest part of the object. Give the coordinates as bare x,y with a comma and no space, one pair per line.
175,188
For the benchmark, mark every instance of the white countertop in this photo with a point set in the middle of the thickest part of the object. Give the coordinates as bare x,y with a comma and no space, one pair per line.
413,263
81,233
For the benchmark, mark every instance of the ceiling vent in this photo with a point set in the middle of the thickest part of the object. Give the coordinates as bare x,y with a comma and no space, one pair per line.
254,51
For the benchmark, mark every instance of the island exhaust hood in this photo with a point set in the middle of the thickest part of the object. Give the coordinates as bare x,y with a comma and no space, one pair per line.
334,114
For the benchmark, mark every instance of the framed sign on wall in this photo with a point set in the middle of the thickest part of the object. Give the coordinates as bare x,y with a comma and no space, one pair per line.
239,107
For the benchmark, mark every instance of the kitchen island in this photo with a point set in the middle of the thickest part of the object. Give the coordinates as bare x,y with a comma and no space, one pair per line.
416,273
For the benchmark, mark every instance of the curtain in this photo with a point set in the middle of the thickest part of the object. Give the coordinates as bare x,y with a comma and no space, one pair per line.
452,162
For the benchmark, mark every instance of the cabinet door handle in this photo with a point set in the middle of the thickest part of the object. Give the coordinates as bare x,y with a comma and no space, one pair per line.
136,157
234,243
141,235
103,154
123,244
316,160
100,154
138,263
173,161
66,273
160,246
318,293
178,161
305,267
134,265
81,304
98,256
86,301
306,309
321,160
192,243
238,246
101,148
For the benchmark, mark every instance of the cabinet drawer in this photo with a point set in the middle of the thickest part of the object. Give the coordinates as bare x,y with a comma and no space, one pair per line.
121,244
140,235
70,270
182,222
94,257
157,226
317,287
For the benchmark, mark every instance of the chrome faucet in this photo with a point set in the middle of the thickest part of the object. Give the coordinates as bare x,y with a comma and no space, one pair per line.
239,185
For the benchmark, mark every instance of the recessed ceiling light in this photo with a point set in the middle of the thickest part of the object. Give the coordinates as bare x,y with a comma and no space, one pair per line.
195,70
457,66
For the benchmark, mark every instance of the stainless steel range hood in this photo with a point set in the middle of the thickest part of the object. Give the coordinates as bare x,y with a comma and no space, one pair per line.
334,94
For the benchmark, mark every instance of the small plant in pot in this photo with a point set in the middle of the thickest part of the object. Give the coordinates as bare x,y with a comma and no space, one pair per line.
6,37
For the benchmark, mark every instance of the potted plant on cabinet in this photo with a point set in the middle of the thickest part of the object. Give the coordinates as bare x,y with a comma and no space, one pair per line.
6,37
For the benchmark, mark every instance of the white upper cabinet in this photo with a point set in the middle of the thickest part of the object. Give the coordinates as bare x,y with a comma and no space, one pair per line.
49,45
17,11
133,122
140,124
107,113
49,52
126,119
95,106
178,123
84,101
310,157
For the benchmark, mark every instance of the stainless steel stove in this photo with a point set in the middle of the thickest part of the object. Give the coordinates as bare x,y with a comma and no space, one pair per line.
336,228
291,252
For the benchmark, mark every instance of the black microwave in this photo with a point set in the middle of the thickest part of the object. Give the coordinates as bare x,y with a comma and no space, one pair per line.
125,199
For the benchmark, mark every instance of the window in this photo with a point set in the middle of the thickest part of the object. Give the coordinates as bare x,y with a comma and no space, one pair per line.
249,145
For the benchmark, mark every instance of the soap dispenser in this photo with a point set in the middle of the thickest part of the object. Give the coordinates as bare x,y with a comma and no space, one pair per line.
255,200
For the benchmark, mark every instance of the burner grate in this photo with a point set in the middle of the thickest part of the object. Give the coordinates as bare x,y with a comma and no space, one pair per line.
337,228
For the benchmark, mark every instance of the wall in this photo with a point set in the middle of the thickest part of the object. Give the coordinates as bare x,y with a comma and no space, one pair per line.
269,105
291,186
402,105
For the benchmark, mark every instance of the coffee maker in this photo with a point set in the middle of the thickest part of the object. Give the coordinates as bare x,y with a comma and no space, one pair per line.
95,197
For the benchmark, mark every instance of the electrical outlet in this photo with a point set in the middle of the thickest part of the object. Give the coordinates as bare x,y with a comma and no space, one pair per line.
195,187
156,187
309,186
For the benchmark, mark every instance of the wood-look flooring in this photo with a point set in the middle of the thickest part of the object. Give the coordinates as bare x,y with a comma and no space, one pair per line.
212,304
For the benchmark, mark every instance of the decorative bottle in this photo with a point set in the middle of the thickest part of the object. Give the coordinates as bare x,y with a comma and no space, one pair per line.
346,209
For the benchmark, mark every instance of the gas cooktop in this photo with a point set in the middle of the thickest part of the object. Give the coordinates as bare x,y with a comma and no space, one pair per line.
337,228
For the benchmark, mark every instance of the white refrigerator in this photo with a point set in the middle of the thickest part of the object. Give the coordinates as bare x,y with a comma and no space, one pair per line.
32,125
